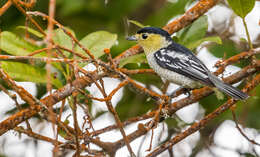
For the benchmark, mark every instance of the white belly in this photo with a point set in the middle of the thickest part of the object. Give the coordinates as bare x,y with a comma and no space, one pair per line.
170,75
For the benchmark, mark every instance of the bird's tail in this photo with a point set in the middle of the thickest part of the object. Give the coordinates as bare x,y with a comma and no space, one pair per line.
228,89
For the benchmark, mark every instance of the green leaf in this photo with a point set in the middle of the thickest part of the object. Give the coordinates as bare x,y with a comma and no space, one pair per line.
249,155
32,31
243,40
15,45
139,58
136,23
62,133
25,72
194,32
61,38
227,47
195,44
96,42
241,7
207,103
219,94
253,108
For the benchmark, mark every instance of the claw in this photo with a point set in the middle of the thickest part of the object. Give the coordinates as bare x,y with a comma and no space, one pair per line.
187,91
179,91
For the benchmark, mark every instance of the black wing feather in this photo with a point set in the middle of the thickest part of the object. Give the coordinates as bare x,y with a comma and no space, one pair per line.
182,61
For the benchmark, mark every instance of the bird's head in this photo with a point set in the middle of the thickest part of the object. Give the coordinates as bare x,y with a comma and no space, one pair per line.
151,39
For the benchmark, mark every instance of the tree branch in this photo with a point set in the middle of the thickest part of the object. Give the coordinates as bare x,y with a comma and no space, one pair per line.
196,126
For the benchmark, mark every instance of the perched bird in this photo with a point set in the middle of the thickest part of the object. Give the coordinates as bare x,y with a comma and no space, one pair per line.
178,64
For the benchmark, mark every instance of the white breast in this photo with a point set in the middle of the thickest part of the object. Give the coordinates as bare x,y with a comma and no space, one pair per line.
170,75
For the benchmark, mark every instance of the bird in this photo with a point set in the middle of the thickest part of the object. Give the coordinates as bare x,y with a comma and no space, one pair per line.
177,64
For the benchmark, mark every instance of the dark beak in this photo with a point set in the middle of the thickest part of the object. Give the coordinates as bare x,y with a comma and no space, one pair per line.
131,38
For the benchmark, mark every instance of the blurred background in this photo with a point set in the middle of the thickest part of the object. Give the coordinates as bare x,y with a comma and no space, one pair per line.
219,138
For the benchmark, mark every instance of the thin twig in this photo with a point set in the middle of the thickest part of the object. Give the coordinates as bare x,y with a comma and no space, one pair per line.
196,126
17,5
5,7
75,122
36,13
241,131
117,119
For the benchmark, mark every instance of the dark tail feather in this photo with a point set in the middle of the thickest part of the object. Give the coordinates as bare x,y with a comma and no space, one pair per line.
228,89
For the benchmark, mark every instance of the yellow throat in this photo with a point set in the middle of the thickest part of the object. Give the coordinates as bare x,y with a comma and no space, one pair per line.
153,43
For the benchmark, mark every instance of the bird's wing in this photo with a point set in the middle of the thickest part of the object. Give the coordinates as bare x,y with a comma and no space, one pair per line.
181,60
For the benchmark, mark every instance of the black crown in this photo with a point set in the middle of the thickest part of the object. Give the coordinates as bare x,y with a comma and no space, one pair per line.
155,30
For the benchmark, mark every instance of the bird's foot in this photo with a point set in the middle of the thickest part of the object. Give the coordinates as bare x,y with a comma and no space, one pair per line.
187,91
179,91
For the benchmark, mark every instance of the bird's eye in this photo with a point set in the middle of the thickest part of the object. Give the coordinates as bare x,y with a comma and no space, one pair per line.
144,36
